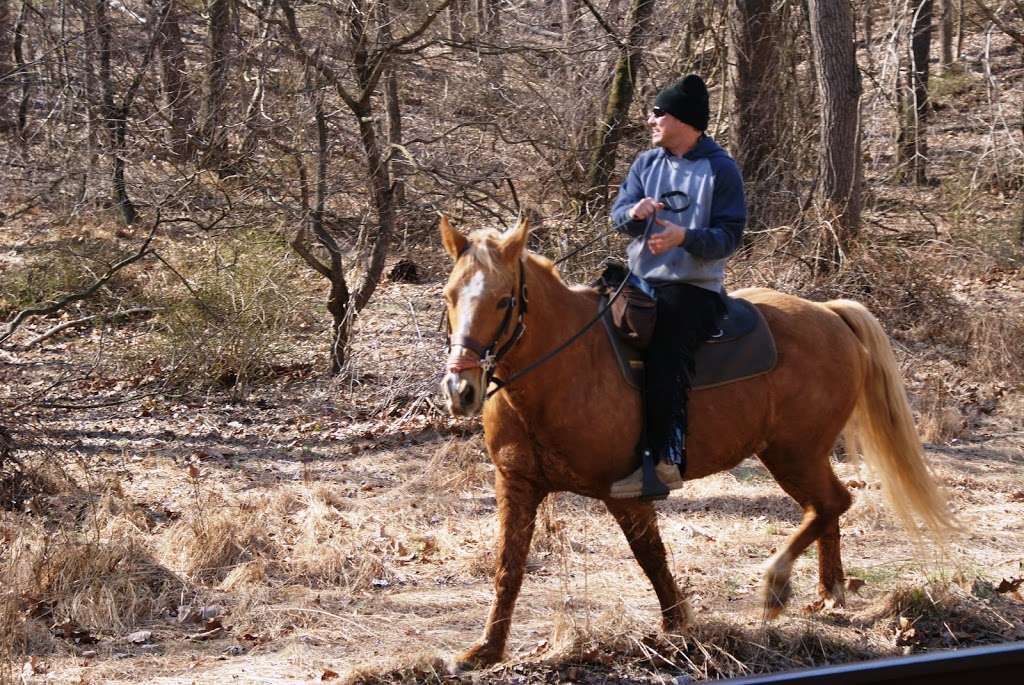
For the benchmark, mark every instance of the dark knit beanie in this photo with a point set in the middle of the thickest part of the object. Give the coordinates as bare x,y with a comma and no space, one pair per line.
687,101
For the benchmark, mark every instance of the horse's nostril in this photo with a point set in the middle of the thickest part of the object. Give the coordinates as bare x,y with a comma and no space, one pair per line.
466,392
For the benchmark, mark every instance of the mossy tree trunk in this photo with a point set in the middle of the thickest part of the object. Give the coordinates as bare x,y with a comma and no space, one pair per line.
214,133
6,66
115,117
620,97
947,12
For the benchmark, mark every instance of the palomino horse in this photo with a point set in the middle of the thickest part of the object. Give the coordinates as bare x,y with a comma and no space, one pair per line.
572,423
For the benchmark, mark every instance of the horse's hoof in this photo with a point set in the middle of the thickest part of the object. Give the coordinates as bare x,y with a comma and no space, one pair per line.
476,657
776,595
677,620
834,598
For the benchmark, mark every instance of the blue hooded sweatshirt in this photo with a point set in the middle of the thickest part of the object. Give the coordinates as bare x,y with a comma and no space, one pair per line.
707,200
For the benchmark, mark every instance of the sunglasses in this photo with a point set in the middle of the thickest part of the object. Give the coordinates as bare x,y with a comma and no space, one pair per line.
675,201
658,112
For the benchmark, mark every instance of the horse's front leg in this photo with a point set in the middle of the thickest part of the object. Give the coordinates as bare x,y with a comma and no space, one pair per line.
639,522
517,510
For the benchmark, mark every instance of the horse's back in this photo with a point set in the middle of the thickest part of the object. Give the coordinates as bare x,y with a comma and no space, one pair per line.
822,364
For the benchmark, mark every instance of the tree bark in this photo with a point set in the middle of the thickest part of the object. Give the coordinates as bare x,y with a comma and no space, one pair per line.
393,105
620,97
912,153
755,35
172,77
840,159
218,60
115,118
488,17
6,65
946,39
19,61
458,10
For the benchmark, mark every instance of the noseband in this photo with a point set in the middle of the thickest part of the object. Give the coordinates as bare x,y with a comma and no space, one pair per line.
491,354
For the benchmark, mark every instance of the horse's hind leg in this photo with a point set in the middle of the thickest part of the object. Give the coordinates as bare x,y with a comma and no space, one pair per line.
812,483
639,522
517,512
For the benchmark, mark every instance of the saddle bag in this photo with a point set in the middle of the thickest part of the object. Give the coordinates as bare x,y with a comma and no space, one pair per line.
635,310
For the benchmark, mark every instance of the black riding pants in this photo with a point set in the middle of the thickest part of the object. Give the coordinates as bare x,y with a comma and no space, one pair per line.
686,318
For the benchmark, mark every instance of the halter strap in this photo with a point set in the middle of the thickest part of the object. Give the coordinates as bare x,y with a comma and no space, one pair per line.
491,354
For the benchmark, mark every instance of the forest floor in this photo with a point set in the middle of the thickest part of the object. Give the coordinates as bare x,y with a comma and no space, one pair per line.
332,528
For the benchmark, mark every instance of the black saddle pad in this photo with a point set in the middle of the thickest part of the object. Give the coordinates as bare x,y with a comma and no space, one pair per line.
741,348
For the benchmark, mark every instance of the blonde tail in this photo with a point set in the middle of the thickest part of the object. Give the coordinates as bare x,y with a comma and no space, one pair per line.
882,429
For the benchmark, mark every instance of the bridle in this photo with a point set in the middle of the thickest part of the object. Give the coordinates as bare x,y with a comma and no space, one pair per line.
489,358
491,354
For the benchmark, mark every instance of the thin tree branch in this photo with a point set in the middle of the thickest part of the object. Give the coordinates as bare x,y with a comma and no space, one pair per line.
42,310
85,319
1002,25
612,33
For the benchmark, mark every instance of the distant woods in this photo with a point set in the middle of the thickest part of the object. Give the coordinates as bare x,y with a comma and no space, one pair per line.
344,126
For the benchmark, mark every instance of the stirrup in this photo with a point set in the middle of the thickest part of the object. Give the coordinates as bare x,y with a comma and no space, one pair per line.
652,489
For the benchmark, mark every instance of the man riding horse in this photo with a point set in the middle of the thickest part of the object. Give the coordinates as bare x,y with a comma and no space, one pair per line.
683,203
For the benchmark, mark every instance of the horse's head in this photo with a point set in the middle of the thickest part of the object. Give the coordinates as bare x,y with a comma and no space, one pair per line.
484,297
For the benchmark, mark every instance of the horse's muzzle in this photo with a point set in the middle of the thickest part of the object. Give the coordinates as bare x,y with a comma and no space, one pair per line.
461,391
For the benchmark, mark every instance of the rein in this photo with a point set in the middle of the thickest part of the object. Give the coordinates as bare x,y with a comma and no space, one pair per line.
489,359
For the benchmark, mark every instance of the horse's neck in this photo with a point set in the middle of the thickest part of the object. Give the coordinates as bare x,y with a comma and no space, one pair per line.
556,312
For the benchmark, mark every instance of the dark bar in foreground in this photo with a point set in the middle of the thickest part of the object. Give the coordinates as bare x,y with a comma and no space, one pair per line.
989,665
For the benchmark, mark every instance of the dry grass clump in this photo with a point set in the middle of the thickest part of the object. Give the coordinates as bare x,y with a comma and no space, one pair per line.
457,464
939,419
996,348
944,614
420,668
104,586
209,545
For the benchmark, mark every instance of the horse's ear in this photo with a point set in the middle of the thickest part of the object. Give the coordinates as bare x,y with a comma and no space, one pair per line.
454,242
515,240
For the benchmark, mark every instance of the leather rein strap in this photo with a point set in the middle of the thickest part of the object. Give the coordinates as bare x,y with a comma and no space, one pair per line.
489,358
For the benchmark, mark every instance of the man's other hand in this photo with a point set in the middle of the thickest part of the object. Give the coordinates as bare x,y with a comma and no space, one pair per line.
671,235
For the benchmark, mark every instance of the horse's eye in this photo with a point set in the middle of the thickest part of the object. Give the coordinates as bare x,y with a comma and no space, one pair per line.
505,302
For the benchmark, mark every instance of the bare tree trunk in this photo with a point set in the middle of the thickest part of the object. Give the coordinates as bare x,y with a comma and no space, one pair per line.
756,113
488,17
868,21
570,20
620,98
218,56
912,153
960,19
19,61
840,161
6,65
393,105
115,118
946,34
172,75
458,10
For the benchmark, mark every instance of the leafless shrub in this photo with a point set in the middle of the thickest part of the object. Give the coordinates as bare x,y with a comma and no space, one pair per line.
995,341
231,324
65,265
939,418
